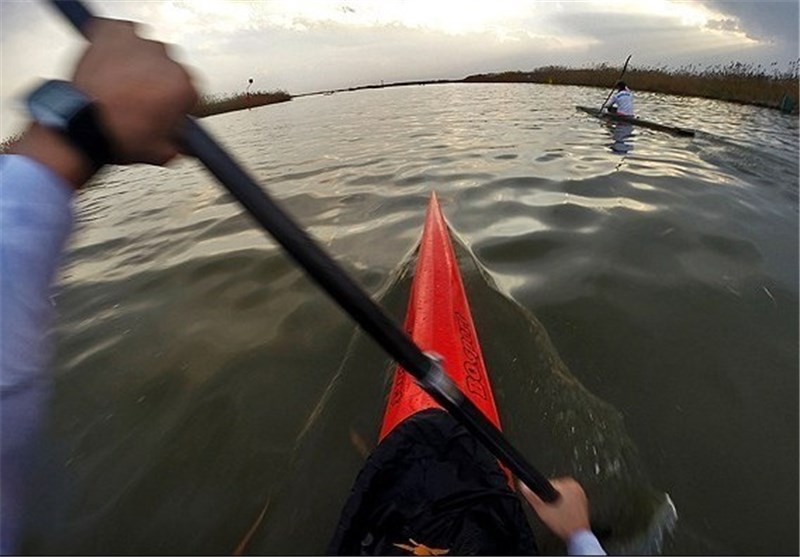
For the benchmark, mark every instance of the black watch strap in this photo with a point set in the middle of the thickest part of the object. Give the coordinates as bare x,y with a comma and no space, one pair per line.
85,132
58,105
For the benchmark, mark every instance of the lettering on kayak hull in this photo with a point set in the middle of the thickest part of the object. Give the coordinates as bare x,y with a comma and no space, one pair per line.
472,360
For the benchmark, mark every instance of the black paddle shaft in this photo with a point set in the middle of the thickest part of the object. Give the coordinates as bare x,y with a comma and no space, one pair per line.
342,288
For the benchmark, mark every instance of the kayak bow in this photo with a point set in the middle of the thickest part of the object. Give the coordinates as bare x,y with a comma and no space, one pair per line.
439,321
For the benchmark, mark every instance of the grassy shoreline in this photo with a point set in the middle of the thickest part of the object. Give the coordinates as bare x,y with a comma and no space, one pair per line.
211,105
737,83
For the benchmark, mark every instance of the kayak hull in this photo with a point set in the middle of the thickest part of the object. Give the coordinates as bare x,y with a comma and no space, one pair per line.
430,487
683,132
440,322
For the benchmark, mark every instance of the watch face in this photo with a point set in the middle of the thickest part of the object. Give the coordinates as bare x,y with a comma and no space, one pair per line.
55,102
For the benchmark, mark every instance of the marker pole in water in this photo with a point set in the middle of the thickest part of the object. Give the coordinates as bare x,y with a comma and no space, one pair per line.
342,288
624,68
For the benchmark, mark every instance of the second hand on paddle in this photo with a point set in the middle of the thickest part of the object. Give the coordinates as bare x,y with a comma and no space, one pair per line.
343,289
624,68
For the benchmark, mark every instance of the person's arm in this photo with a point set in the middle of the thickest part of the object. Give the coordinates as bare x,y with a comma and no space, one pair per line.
36,218
568,517
142,95
611,101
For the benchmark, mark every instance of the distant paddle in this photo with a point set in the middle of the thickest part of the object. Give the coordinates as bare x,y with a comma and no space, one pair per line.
624,68
343,289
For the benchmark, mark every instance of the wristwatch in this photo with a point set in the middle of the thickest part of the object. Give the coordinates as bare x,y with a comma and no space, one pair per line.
60,106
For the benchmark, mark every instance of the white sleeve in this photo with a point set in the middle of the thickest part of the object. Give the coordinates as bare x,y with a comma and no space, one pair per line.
35,221
584,542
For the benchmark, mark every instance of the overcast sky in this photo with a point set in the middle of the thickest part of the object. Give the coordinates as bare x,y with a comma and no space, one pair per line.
308,45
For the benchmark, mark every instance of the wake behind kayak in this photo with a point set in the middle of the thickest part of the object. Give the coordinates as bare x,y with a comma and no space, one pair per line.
545,411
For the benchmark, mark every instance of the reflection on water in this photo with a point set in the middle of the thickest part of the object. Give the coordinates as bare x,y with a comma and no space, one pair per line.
622,132
192,353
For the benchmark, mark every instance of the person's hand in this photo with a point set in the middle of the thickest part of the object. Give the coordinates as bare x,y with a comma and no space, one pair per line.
568,515
142,93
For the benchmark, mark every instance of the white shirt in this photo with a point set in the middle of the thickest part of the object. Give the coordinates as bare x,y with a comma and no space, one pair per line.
624,101
584,542
35,221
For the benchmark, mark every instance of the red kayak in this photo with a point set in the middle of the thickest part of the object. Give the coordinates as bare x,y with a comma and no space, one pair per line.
429,487
439,320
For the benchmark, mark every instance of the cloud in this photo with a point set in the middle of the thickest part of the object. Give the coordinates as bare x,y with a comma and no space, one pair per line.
660,39
724,24
769,21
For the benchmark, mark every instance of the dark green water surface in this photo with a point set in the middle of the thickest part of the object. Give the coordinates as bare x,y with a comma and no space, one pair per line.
637,299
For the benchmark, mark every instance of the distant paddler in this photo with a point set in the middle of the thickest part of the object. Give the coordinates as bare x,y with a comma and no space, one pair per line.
621,102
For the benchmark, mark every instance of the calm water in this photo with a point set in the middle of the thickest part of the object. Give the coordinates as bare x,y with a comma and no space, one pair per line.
201,378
